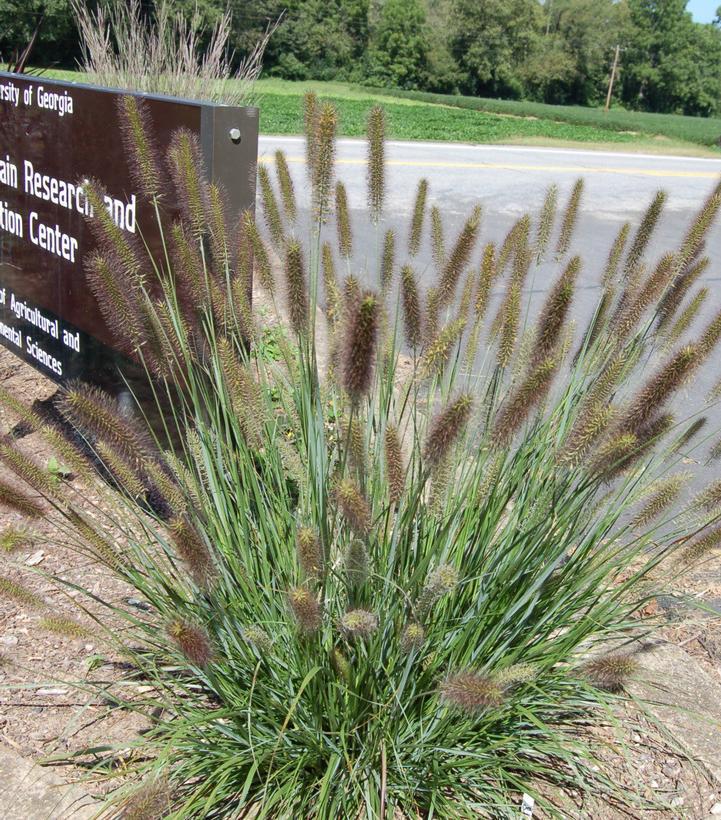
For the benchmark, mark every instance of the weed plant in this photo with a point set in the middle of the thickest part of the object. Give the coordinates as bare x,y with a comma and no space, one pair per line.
398,552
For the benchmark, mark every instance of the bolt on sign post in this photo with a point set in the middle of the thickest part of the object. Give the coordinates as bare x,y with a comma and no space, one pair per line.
54,135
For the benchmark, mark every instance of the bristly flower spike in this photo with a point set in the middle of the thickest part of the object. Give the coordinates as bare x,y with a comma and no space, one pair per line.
644,232
193,641
419,212
411,304
395,472
387,260
324,160
353,506
437,240
310,127
297,291
342,216
358,623
610,272
285,183
359,346
545,222
446,428
570,217
458,258
471,692
306,610
376,161
610,672
309,552
271,211
136,131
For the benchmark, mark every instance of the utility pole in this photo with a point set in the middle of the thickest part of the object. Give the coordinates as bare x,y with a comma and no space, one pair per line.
613,78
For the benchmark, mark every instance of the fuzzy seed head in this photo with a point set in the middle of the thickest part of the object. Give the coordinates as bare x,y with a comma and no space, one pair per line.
471,692
687,316
342,665
136,132
411,307
554,312
19,594
661,495
306,610
442,580
413,637
342,216
309,553
610,272
645,231
439,349
395,471
545,222
285,183
357,562
257,637
273,219
150,802
419,212
518,405
570,217
610,672
66,627
376,161
14,538
353,506
458,258
485,280
330,283
359,347
193,550
388,260
709,499
193,641
446,428
19,501
660,387
358,623
324,159
437,240
188,175
310,123
515,675
700,547
296,288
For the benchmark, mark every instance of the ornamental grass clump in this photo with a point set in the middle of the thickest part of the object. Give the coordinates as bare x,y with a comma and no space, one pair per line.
392,562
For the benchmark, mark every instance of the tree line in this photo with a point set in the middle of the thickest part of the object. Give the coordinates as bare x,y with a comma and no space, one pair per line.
557,51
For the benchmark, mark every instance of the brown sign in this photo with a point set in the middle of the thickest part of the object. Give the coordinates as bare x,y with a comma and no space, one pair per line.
52,137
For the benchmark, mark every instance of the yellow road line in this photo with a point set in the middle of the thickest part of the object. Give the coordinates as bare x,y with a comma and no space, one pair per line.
511,166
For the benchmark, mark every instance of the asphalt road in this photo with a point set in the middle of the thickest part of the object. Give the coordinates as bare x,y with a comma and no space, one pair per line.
510,181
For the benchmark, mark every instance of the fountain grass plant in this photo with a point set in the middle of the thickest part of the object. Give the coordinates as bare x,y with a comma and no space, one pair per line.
397,572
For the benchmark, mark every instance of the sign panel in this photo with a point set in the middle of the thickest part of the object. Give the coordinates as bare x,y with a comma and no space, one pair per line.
53,136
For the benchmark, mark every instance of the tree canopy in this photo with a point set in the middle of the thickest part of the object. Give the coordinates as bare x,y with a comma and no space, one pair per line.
557,51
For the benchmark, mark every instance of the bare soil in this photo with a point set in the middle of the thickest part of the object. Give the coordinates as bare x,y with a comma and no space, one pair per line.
42,712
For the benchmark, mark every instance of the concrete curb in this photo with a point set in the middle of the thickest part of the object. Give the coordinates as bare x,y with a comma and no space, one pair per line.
685,699
30,792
